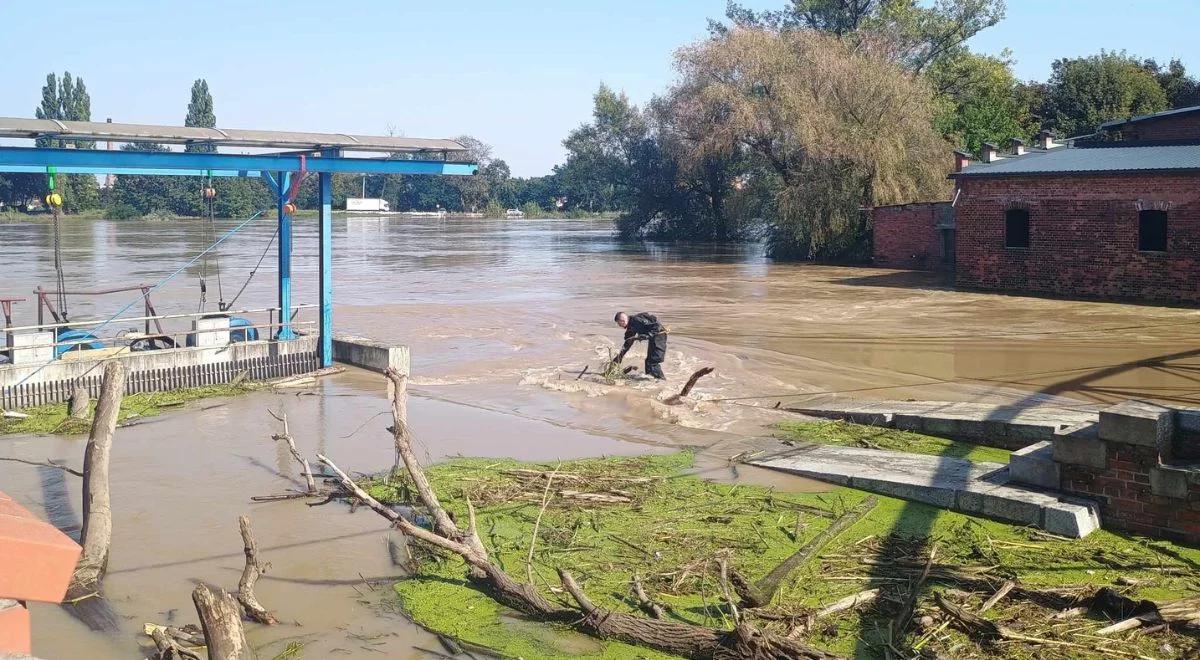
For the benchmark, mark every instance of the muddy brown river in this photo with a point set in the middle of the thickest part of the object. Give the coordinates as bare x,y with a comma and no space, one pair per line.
501,316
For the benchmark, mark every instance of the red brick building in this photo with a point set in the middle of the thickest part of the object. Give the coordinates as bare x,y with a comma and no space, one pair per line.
916,236
1116,217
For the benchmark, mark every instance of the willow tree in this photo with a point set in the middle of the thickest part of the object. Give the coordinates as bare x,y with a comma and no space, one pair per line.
833,126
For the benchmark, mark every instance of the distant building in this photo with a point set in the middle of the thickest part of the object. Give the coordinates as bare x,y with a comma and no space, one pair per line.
1115,214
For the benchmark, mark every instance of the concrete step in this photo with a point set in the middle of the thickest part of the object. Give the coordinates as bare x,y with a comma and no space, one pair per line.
975,488
1034,466
1009,427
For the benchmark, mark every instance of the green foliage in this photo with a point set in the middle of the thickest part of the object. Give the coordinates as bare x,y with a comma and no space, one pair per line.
858,435
982,104
1085,92
200,113
677,525
53,418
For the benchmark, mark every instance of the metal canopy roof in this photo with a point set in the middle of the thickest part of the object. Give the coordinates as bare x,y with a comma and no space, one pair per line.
1075,160
1116,123
11,127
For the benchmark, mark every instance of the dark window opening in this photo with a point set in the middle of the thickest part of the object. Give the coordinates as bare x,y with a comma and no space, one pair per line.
1152,231
1016,228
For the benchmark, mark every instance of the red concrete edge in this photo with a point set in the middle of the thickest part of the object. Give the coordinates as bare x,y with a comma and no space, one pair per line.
14,628
37,559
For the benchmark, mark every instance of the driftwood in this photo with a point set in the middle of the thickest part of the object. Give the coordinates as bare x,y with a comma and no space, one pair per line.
687,388
169,648
668,636
221,620
48,464
83,598
849,602
250,574
78,406
760,593
286,436
644,602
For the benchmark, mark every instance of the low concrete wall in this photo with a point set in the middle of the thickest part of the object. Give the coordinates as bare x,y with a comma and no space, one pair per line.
22,386
370,354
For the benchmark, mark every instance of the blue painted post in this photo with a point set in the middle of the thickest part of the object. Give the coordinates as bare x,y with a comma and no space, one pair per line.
285,262
325,283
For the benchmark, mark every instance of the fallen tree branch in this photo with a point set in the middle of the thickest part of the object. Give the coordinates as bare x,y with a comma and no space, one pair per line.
222,623
760,594
46,463
849,602
250,574
687,388
644,603
286,436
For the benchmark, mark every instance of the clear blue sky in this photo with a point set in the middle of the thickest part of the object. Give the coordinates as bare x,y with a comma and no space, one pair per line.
518,74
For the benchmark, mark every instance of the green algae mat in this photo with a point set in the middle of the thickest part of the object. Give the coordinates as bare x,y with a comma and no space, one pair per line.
650,519
53,418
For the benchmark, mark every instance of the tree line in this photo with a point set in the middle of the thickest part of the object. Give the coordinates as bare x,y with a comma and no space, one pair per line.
491,191
788,124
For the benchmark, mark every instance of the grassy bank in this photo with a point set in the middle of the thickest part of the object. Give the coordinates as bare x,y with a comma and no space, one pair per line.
674,528
53,418
846,434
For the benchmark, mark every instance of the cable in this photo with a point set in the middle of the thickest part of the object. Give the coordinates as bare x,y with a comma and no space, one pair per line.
146,294
254,270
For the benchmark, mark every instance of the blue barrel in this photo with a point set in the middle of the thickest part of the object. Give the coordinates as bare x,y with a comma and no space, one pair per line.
70,339
246,334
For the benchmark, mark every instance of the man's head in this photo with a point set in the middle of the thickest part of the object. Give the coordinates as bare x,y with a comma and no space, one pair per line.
622,319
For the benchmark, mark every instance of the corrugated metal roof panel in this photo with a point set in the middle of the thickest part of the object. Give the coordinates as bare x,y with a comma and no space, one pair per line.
1154,115
1066,160
99,131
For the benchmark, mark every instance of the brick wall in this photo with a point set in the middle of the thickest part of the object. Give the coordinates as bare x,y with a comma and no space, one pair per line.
1127,499
1177,127
909,235
1083,236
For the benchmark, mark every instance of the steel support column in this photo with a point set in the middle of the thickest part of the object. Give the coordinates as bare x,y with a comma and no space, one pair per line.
285,260
325,258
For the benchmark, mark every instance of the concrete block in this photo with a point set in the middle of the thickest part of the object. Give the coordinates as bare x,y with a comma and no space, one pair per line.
906,422
969,502
370,354
1138,423
1170,481
940,426
1012,509
1073,520
1031,432
973,429
1185,442
939,497
32,347
1081,445
211,331
1034,466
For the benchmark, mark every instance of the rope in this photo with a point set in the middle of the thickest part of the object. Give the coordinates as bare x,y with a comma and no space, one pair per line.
146,293
253,270
58,266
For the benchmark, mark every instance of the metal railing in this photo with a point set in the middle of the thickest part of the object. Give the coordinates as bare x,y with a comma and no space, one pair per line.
164,338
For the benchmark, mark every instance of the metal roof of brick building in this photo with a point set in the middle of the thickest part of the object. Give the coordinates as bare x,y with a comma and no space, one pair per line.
1079,160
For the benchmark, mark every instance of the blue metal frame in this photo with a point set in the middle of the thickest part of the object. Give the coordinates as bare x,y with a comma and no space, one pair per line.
96,161
325,259
36,160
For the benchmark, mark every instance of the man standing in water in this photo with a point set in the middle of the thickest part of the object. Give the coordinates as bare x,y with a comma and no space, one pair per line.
644,326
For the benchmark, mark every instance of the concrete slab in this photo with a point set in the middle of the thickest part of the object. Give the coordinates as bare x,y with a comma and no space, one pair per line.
1035,466
1138,423
1081,445
1001,426
369,354
976,488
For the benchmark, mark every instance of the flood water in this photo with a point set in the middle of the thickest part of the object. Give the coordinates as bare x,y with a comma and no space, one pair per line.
501,316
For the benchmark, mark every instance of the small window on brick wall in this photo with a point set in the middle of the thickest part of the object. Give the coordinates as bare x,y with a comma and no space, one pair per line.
1152,231
1016,228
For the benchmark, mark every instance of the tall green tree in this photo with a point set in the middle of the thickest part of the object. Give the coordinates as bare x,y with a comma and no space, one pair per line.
200,113
608,148
67,99
1084,92
985,105
1182,90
